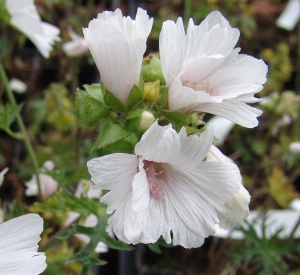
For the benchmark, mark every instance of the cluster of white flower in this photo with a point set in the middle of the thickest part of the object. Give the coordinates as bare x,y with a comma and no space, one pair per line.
176,185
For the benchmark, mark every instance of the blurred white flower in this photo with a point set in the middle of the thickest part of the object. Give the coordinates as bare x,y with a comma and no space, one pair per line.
91,220
2,174
25,17
205,73
19,239
76,46
295,147
48,185
117,45
166,189
17,86
290,15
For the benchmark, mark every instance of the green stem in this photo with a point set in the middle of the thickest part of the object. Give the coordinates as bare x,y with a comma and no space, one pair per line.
27,143
187,11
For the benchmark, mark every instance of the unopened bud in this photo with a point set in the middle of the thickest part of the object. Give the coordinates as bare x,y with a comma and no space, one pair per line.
151,91
146,121
151,69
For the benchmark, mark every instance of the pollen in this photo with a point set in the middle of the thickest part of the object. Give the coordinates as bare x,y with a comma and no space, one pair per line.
155,176
202,85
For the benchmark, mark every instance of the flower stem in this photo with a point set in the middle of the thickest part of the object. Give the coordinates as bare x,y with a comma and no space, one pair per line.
27,143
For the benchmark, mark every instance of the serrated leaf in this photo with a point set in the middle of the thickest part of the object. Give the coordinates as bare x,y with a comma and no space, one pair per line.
88,109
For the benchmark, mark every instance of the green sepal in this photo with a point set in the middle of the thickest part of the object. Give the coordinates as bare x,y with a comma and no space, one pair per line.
90,106
113,102
132,120
135,98
115,138
163,97
173,116
5,15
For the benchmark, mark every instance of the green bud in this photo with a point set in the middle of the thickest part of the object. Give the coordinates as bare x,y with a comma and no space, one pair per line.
151,69
151,91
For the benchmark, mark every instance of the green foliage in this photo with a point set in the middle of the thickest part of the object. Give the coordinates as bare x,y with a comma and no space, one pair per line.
262,254
7,116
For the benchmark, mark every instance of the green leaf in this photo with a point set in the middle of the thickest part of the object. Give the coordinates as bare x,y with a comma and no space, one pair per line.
135,98
8,115
163,97
154,248
115,244
89,107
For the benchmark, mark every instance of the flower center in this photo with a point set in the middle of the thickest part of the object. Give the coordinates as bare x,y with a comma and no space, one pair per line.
155,175
200,85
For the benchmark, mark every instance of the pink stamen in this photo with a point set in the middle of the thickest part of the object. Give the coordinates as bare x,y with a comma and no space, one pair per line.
154,175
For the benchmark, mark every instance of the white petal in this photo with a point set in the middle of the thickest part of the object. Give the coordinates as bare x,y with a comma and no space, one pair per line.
237,209
140,190
114,172
222,127
234,110
2,174
159,144
18,246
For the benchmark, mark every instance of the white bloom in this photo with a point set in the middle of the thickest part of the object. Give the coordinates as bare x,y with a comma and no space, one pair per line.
2,174
117,45
76,46
25,17
236,209
205,73
17,85
19,239
48,185
166,189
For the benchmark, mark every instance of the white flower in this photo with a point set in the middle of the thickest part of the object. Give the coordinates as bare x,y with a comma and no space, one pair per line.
48,185
166,189
290,16
19,239
25,17
76,46
236,209
205,73
2,174
117,45
17,86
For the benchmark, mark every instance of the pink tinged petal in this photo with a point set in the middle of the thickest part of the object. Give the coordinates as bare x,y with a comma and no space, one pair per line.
188,96
114,172
140,190
159,144
233,109
236,210
19,239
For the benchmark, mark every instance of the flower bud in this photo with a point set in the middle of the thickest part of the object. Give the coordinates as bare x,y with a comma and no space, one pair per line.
151,69
151,91
146,121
